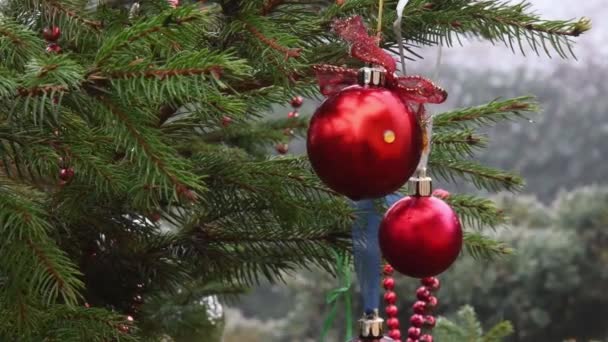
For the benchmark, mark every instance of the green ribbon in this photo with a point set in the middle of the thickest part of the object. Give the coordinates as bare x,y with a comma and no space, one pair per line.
342,292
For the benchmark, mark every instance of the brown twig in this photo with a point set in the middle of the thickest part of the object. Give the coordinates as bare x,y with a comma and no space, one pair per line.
270,5
272,43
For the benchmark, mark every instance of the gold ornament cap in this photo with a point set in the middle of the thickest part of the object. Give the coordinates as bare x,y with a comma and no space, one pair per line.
370,326
421,185
371,76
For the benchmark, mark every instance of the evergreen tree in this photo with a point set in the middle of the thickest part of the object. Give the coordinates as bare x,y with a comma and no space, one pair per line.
134,162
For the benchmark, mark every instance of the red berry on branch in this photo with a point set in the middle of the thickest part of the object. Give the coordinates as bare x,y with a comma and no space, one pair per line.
282,148
155,217
87,305
443,194
53,48
388,270
51,34
293,114
426,338
226,121
389,283
430,321
394,334
417,320
66,174
419,307
432,302
423,293
392,323
392,311
297,101
390,297
413,332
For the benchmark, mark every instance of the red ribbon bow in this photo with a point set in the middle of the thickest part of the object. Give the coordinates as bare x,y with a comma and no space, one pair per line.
411,89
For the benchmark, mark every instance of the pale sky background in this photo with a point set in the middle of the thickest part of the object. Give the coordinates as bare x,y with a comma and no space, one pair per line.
592,45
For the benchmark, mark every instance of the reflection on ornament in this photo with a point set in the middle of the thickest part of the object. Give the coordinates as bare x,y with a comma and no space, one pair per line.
389,137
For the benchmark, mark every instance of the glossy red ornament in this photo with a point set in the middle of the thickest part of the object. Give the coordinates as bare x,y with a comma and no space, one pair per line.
431,283
66,174
417,320
392,323
388,270
413,332
51,34
364,142
423,293
419,307
394,334
297,102
392,311
411,340
430,321
426,338
388,283
390,297
420,236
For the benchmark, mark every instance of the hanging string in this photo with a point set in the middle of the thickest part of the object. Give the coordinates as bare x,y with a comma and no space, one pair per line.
397,29
380,13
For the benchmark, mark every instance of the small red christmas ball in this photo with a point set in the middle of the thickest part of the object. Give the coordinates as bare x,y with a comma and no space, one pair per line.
426,338
389,283
431,283
293,114
420,236
282,148
364,142
392,323
226,121
432,303
51,34
417,320
443,194
423,293
388,270
390,297
419,307
394,334
297,101
66,174
413,332
53,48
430,321
392,311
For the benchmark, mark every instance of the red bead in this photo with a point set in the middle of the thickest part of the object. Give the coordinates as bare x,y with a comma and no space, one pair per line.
226,121
426,225
432,302
66,174
51,34
411,340
364,142
430,321
388,270
390,297
293,114
389,283
282,148
392,323
53,48
443,194
413,332
417,320
423,293
419,307
297,101
394,334
392,311
426,338
154,217
431,283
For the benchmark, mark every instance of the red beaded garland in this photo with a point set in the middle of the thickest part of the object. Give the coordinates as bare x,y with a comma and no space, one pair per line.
431,283
411,340
226,121
394,334
51,34
430,321
293,114
388,283
419,307
388,270
413,332
392,323
432,302
417,320
297,101
426,338
390,297
53,48
66,174
423,293
392,311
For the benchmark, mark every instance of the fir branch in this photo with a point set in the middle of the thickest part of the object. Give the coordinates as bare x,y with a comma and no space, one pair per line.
458,143
160,74
499,332
483,248
476,211
481,176
270,5
486,114
72,14
272,43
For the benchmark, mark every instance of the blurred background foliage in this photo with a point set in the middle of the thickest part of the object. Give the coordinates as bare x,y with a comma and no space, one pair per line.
554,287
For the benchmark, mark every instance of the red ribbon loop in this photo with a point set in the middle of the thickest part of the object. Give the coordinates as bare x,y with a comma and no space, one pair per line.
364,47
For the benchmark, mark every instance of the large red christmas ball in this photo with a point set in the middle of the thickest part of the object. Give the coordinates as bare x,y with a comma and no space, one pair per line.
420,236
364,142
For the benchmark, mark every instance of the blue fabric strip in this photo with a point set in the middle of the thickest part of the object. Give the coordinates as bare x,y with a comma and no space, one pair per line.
366,249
